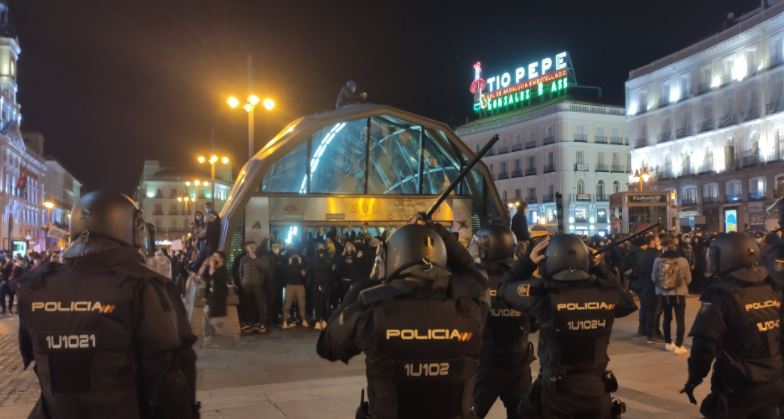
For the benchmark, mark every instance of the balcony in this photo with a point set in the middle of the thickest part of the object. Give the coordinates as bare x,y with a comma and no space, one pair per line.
157,212
619,141
517,146
602,197
665,173
582,197
517,173
703,88
581,138
706,125
530,171
708,200
502,175
727,121
617,168
747,159
641,142
732,197
688,201
664,137
490,152
752,113
600,139
772,107
503,149
548,140
532,199
581,167
548,198
682,132
757,196
602,167
707,166
530,144
549,168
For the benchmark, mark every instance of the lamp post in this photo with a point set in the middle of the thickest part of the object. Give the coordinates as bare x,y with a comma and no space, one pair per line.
642,176
213,160
250,107
49,205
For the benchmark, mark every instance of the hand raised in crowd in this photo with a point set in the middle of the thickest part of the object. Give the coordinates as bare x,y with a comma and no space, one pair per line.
537,253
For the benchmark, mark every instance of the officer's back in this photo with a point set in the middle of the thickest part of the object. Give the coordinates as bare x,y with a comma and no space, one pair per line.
420,331
108,336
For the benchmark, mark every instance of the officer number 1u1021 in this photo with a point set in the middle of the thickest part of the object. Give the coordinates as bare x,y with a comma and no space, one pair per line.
432,369
70,341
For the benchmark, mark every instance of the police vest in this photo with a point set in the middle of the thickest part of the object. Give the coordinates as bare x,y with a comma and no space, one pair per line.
505,337
80,321
754,338
578,333
424,356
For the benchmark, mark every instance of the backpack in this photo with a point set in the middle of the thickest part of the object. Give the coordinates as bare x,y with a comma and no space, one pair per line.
667,275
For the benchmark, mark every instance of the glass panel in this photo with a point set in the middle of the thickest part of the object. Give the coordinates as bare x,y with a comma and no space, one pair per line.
394,156
288,173
440,166
337,158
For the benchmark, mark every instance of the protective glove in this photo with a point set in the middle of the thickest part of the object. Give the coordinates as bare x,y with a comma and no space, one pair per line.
688,389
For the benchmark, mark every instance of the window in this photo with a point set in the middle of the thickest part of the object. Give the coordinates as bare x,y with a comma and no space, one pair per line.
504,195
600,190
394,157
337,158
580,157
581,214
733,190
518,194
173,193
616,161
551,190
757,188
689,194
531,194
158,209
601,216
531,162
616,186
288,174
517,165
580,186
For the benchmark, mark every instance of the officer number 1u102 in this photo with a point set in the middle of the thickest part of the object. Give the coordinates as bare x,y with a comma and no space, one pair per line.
433,369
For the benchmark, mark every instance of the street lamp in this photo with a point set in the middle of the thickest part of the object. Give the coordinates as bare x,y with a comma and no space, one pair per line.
642,176
249,107
49,205
213,160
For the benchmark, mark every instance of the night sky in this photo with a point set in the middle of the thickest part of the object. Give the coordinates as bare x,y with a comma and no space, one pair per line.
111,83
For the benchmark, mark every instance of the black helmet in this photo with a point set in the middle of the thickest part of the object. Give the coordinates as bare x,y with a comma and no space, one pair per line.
736,255
108,215
568,259
413,245
774,261
496,243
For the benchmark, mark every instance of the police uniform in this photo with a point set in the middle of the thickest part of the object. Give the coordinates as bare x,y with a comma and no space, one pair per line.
738,326
420,329
109,337
575,312
506,355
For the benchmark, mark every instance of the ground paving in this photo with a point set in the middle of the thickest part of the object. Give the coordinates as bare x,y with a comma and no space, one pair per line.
280,376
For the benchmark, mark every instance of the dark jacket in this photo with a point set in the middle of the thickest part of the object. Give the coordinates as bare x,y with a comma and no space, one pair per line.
323,270
140,364
253,271
217,291
296,273
347,97
520,226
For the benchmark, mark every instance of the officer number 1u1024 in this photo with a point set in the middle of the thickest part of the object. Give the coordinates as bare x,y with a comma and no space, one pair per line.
70,341
432,369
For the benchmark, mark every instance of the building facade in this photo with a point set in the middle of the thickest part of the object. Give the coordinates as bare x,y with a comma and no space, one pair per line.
61,192
169,198
578,149
708,123
22,170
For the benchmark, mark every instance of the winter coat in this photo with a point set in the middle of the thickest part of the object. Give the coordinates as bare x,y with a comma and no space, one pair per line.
252,271
684,273
217,291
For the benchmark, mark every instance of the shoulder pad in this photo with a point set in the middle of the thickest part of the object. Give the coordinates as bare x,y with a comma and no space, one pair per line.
139,270
34,277
718,287
465,286
378,293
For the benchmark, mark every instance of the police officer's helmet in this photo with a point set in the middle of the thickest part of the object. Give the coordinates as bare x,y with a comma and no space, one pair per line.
108,215
568,259
413,247
496,243
774,262
737,255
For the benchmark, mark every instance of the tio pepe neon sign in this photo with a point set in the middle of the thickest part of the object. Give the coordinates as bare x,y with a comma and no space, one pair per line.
540,78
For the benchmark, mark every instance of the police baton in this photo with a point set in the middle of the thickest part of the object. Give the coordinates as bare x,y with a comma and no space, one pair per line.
463,173
624,240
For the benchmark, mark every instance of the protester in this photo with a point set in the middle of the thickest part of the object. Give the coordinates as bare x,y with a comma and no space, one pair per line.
216,278
671,276
253,273
296,279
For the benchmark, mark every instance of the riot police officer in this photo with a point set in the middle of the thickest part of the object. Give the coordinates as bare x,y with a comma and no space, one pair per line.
505,361
575,301
738,326
420,329
109,337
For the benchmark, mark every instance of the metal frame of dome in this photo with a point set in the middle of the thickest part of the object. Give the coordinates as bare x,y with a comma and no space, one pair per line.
251,175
